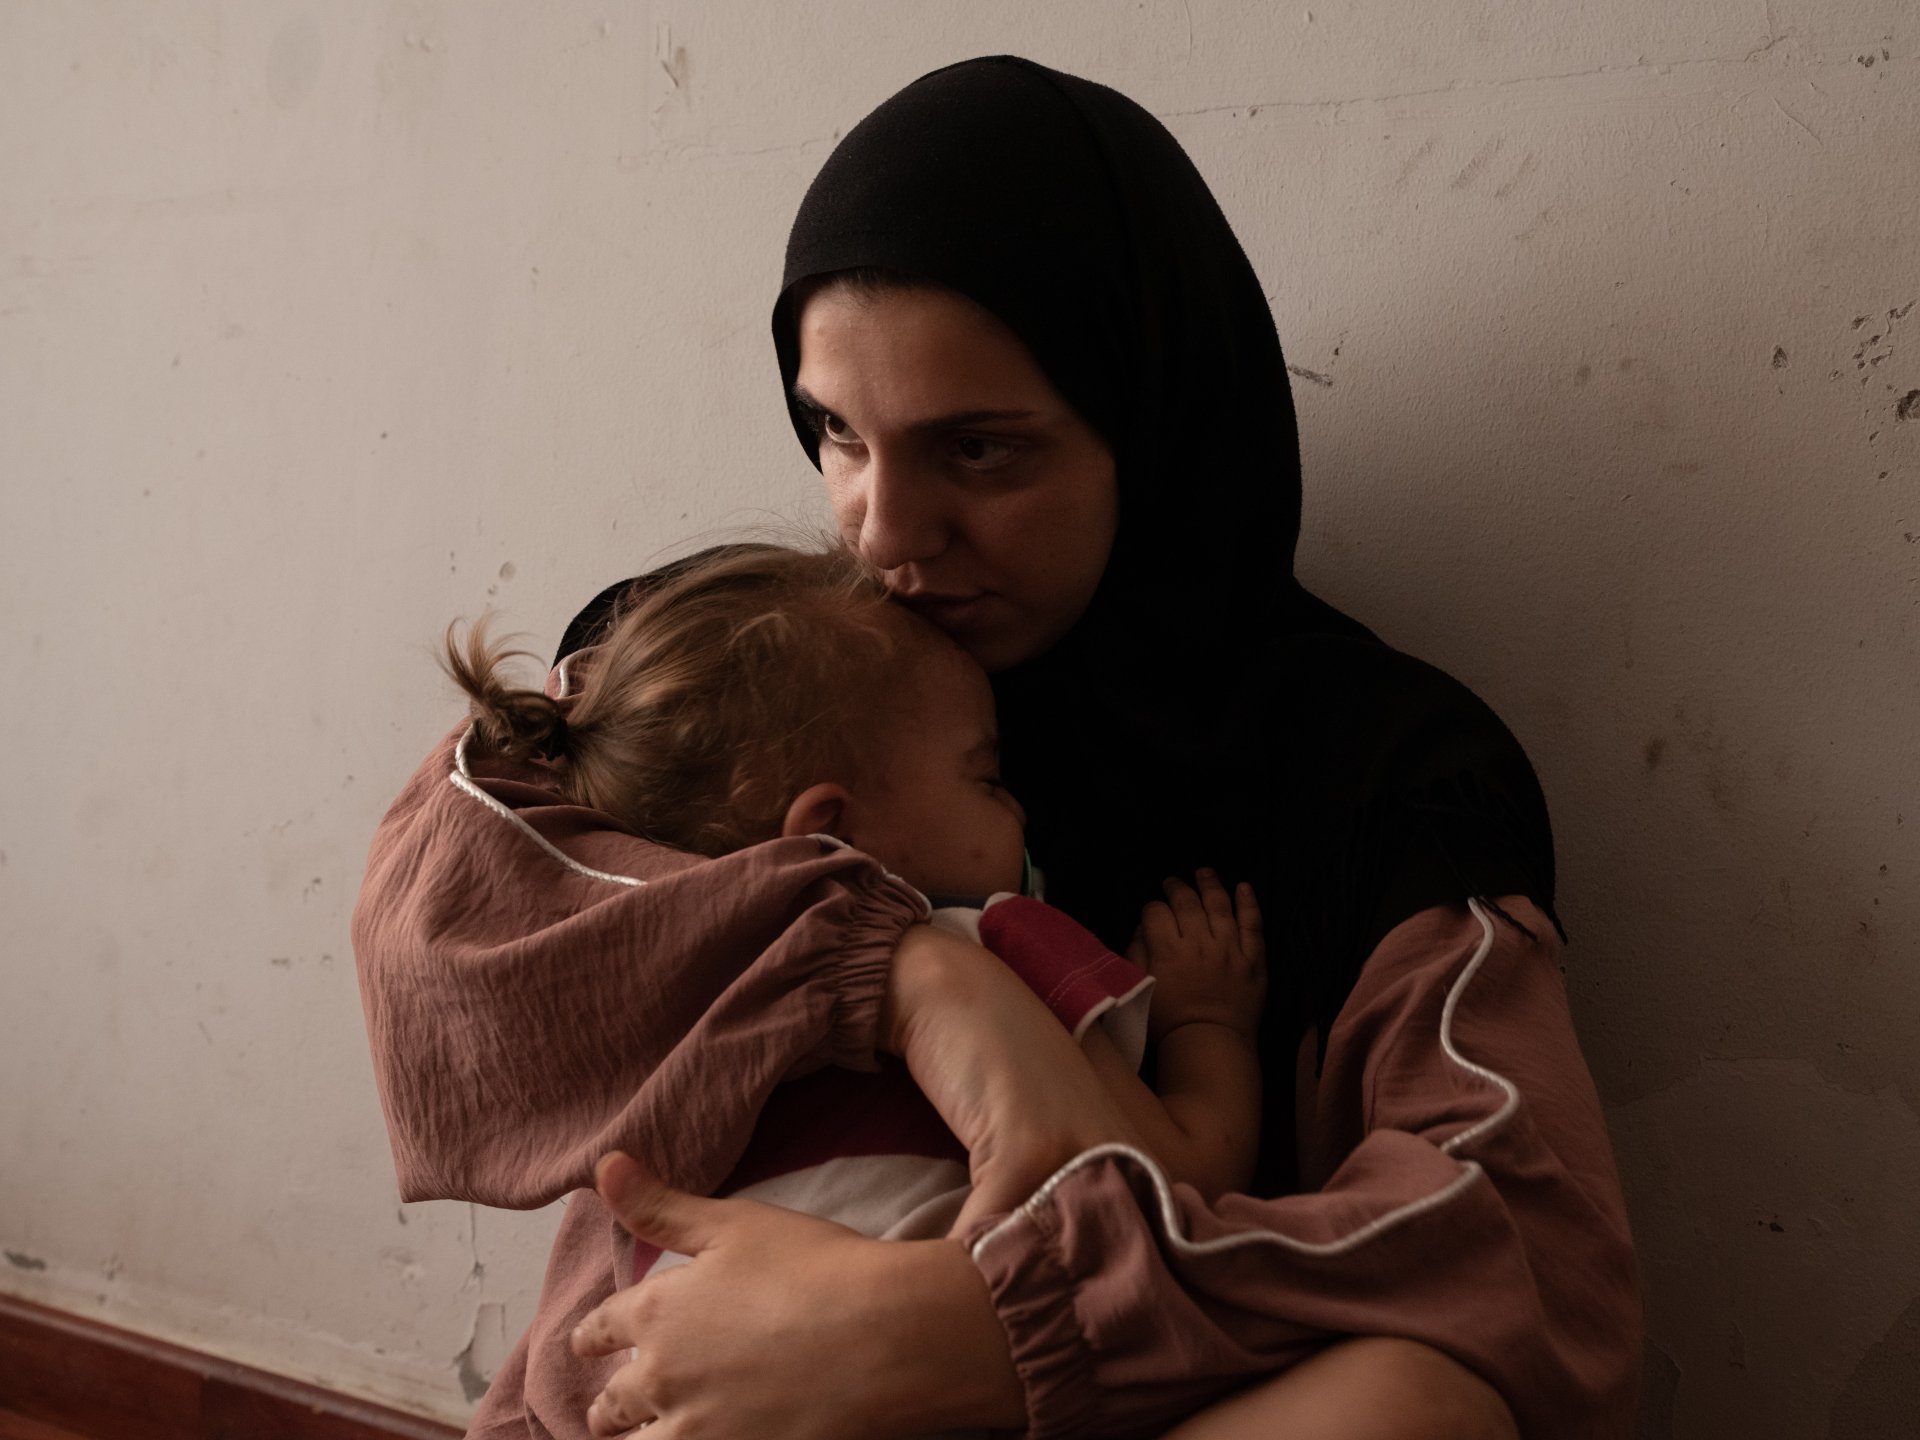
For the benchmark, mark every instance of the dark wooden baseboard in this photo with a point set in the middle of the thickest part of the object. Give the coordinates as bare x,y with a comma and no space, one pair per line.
83,1376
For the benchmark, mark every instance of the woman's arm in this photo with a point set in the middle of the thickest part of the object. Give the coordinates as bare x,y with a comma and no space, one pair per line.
1466,1199
911,1341
1475,1212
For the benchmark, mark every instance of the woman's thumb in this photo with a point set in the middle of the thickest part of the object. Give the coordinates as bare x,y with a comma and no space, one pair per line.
650,1210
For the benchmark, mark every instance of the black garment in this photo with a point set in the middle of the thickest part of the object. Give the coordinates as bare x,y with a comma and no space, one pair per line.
1206,710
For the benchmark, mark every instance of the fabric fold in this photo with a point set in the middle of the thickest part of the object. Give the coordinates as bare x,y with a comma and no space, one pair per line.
1443,1213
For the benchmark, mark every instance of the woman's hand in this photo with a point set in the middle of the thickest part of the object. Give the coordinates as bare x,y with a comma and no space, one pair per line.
786,1325
998,1066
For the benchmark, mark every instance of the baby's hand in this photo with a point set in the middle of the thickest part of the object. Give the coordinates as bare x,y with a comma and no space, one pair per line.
1206,955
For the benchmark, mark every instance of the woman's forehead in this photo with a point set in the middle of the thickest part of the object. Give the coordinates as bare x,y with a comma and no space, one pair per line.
924,351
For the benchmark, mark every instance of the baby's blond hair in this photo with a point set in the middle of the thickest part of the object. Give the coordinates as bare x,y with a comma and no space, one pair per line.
720,689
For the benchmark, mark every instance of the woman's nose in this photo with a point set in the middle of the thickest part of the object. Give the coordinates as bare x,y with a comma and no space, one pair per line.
903,521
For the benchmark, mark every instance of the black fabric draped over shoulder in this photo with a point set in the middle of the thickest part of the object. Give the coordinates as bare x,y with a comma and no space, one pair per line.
1207,710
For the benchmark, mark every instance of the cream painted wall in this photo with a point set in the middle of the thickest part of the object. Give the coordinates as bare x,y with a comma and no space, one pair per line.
321,324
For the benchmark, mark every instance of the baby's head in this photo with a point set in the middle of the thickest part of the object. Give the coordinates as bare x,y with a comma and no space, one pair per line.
757,692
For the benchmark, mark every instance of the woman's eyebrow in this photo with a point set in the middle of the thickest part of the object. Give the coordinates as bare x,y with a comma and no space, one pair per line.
965,419
957,420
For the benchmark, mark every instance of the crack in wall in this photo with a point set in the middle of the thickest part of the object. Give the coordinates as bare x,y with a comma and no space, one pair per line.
1481,87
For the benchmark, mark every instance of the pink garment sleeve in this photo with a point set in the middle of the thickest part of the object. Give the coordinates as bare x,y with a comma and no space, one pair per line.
1464,1196
1071,969
542,987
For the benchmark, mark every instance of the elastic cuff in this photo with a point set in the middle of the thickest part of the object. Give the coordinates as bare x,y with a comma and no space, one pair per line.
1033,1294
880,908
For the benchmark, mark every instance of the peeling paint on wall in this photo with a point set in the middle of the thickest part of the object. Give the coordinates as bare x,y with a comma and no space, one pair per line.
476,1365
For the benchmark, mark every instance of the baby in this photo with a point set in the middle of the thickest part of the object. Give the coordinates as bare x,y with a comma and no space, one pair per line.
758,693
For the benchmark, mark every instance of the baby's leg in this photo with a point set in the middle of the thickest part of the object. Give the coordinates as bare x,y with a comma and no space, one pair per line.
1370,1388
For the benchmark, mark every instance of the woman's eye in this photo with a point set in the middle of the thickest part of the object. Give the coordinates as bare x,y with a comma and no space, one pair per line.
832,429
981,452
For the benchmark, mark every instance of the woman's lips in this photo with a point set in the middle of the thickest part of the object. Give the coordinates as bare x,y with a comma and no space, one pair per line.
953,612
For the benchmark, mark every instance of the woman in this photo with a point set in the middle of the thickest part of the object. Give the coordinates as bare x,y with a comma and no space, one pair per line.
1043,387
1044,390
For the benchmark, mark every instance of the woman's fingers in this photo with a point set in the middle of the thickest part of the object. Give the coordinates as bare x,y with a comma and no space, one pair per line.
619,1410
651,1211
660,1215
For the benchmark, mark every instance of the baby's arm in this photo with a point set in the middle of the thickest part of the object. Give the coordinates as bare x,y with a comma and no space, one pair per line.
1208,959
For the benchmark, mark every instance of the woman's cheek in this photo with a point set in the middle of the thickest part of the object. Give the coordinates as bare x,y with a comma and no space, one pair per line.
843,498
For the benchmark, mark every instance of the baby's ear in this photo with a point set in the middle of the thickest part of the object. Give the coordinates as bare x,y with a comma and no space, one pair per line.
817,810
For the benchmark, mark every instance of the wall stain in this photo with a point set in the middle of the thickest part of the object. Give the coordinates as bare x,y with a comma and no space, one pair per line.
20,1260
1908,407
1470,172
1515,180
1882,1396
677,68
1780,361
1414,161
1326,381
1723,773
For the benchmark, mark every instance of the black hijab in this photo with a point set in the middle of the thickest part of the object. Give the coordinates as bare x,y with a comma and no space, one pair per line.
1206,710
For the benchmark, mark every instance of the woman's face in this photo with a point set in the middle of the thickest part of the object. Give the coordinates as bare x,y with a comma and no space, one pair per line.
954,465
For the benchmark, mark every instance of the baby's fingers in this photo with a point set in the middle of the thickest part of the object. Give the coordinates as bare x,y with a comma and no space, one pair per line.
1158,934
1216,902
1188,912
1246,913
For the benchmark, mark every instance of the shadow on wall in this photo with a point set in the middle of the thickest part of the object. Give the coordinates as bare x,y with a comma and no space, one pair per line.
1673,559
